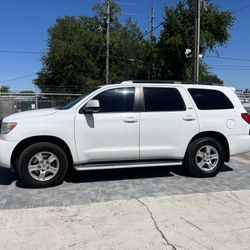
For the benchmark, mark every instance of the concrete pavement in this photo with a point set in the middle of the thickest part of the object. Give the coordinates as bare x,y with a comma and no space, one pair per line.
219,220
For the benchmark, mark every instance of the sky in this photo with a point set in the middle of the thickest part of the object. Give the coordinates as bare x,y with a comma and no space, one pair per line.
24,25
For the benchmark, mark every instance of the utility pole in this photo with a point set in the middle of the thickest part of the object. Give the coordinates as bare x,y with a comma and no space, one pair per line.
152,66
152,20
197,41
108,41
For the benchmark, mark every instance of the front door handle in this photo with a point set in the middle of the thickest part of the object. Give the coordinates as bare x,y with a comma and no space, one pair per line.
189,118
130,120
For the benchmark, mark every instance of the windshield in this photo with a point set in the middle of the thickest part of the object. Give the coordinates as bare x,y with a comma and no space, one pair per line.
75,101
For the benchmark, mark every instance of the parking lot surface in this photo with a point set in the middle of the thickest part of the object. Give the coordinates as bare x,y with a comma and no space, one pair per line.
109,185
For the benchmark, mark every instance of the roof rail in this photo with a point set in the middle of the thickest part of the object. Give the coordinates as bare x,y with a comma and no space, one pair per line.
174,82
156,81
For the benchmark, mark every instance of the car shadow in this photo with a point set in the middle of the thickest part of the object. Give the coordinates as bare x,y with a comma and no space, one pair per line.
226,168
184,172
7,177
129,173
117,174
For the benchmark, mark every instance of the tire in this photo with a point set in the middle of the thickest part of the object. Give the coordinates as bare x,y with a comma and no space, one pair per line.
42,165
199,162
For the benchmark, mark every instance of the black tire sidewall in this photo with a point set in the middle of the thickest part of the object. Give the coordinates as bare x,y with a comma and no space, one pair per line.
191,157
33,149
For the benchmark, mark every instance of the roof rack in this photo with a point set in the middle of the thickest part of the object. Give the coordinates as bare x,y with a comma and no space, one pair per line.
173,82
156,81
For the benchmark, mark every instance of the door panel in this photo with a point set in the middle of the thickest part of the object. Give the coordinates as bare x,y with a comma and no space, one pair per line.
107,137
111,134
166,134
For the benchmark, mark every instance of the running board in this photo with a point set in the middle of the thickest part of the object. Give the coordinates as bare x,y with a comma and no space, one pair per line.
119,165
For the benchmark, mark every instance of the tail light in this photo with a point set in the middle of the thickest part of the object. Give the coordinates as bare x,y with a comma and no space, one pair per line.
246,117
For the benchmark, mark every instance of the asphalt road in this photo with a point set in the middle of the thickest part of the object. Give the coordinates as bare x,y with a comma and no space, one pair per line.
108,185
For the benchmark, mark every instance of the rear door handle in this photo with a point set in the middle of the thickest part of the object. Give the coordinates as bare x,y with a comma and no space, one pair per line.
189,118
130,120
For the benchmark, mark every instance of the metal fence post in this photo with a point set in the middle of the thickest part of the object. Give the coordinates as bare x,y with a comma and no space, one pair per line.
36,101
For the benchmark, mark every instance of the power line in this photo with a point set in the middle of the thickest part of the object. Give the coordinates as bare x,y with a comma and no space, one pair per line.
65,42
21,52
126,3
128,13
228,66
232,69
102,55
242,8
17,78
229,58
149,32
133,14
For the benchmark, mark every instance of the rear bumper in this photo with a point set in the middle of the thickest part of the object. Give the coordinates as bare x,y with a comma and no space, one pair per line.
6,149
239,144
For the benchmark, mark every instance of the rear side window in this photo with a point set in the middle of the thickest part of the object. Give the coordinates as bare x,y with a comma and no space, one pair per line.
163,99
208,99
116,100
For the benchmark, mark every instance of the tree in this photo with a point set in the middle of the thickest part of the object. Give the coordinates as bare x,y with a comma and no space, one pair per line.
126,52
101,10
178,35
4,89
75,58
76,52
26,92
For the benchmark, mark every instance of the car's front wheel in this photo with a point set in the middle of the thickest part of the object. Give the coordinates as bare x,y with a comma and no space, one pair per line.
204,157
42,164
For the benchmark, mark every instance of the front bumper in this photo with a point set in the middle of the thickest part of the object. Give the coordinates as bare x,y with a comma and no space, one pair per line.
6,149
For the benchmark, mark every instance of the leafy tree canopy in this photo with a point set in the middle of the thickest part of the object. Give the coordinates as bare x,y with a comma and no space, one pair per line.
4,89
178,35
27,91
75,57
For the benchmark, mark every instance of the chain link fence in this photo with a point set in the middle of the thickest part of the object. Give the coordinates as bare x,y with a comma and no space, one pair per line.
245,99
17,102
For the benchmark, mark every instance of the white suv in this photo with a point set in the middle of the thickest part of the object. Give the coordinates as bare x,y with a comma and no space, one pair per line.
133,124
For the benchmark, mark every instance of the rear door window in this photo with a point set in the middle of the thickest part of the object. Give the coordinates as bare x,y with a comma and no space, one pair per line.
209,99
163,99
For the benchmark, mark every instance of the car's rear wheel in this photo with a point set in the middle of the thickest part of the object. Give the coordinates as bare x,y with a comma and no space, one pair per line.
204,157
42,165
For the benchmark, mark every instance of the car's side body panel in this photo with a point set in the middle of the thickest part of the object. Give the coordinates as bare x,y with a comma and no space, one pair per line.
134,135
107,136
59,124
167,134
227,122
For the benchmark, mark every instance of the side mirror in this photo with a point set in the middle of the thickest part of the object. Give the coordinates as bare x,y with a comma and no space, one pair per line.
92,106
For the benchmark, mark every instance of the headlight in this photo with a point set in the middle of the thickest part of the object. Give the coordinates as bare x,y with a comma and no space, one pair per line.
6,127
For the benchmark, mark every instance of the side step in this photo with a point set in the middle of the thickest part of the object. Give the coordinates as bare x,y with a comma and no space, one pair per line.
130,164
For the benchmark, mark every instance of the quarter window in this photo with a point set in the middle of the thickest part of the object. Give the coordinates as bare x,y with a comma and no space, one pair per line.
116,100
208,99
163,99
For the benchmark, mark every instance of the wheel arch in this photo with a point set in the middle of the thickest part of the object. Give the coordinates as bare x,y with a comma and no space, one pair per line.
217,136
34,139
